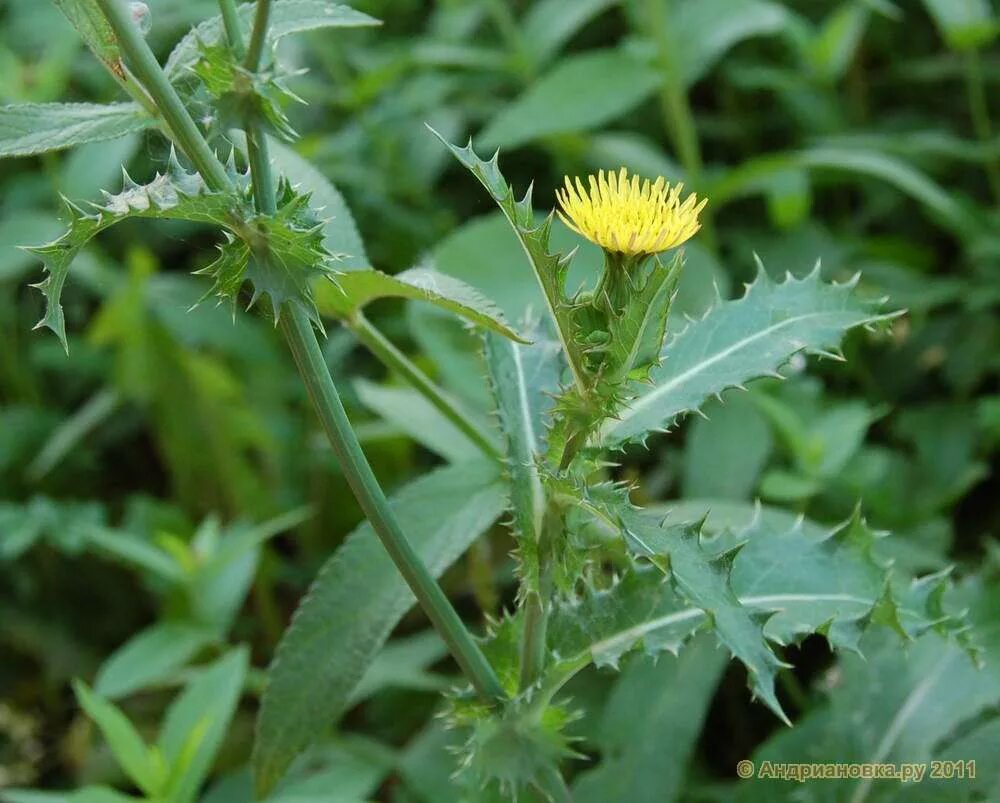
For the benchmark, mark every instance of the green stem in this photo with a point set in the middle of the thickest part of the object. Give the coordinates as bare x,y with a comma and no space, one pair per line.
675,107
298,331
231,22
258,35
534,646
308,356
260,169
393,358
979,110
147,70
533,639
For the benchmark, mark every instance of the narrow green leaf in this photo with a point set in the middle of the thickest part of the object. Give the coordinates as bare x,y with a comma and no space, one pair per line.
414,415
88,19
137,551
69,434
124,740
524,379
354,604
581,93
29,128
203,712
737,341
287,17
656,702
758,175
149,657
355,289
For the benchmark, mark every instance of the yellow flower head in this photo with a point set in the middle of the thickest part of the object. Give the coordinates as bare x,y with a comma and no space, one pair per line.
626,216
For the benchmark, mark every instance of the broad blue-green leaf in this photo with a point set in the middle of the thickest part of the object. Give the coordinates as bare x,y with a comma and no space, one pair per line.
149,657
354,604
355,289
773,577
581,92
725,452
29,128
704,580
737,341
124,740
415,416
965,24
656,702
287,17
197,722
894,705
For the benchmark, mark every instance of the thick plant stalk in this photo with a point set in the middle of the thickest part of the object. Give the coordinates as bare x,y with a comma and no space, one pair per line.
231,22
147,70
305,349
298,331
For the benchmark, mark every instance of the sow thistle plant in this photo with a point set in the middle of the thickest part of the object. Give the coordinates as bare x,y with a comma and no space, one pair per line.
599,368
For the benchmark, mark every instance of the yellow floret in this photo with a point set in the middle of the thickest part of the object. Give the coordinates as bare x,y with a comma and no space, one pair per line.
629,216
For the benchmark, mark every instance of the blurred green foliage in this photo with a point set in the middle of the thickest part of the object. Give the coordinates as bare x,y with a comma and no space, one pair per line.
152,487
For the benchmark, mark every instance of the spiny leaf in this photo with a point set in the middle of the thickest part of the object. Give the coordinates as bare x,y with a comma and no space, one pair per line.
737,341
523,378
287,254
357,288
704,580
550,269
637,331
28,128
176,195
833,584
240,95
801,579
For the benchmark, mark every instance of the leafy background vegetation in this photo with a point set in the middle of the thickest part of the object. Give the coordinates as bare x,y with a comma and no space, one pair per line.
167,496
